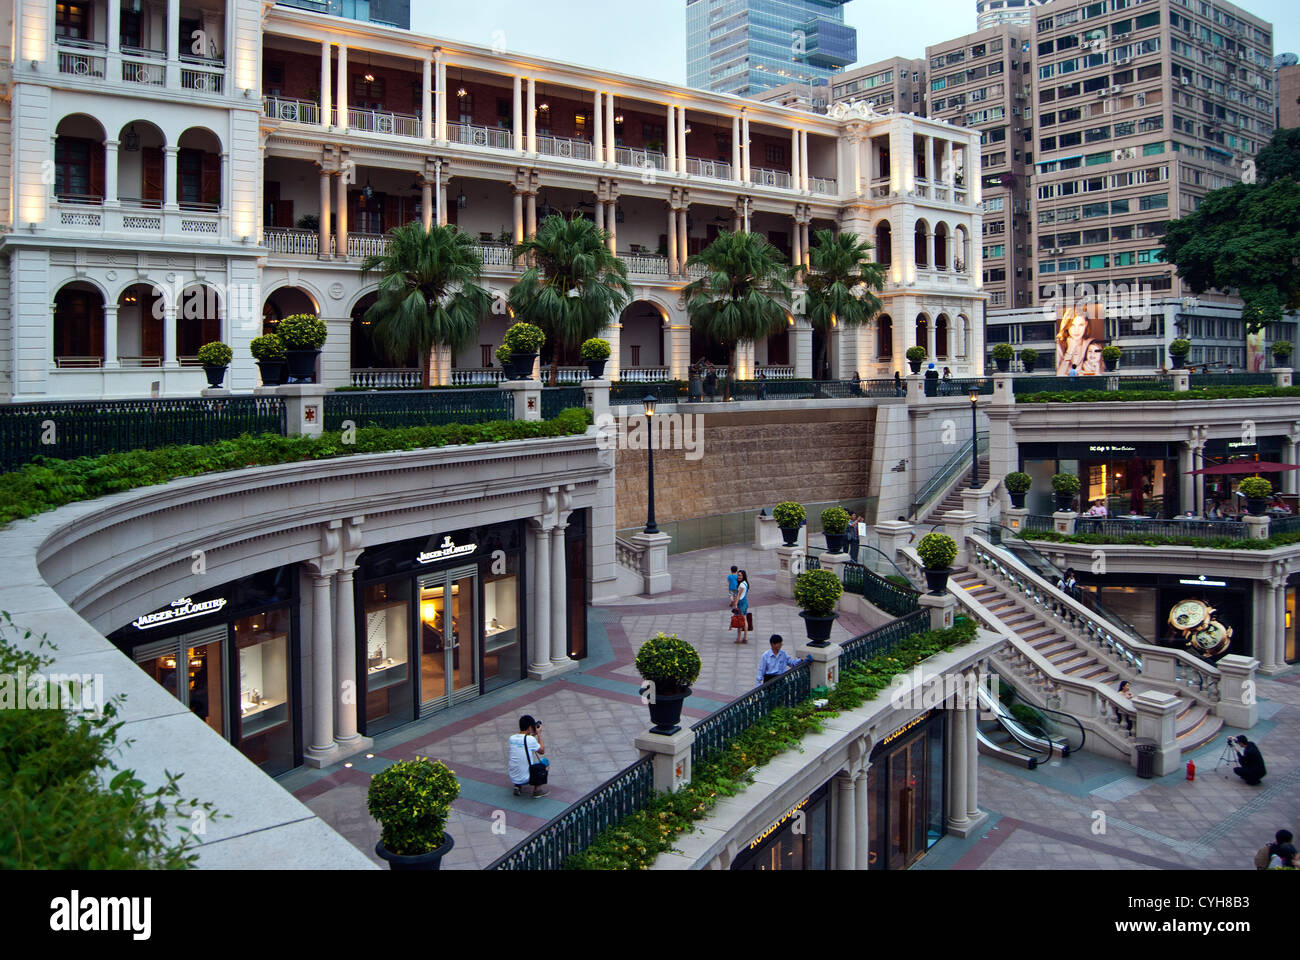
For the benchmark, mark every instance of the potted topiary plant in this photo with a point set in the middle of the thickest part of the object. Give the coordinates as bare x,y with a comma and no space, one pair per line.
1110,355
1029,357
1065,486
1017,485
520,345
669,665
914,357
1256,490
1178,351
1281,353
268,351
937,551
594,354
835,521
1002,356
215,358
411,800
303,334
816,592
788,516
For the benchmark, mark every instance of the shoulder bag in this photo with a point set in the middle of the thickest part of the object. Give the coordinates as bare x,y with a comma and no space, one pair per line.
537,772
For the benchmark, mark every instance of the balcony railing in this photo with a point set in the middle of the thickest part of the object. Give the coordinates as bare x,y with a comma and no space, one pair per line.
645,264
81,64
496,254
361,245
643,374
564,147
770,178
627,157
477,376
476,136
776,371
294,111
147,67
378,121
300,242
204,79
717,169
822,185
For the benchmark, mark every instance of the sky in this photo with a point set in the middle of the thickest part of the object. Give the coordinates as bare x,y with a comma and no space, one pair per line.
647,38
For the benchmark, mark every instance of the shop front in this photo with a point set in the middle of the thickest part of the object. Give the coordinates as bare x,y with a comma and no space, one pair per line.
800,839
906,790
230,654
1221,489
1139,478
443,619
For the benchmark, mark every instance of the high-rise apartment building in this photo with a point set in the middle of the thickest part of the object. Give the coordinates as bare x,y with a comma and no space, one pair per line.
748,46
388,13
1288,93
982,81
992,13
897,83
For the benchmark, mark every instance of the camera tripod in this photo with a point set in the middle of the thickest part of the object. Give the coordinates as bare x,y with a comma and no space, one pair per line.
1227,758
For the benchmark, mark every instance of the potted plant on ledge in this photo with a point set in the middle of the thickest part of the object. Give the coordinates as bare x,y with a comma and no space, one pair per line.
669,665
1178,351
1002,356
835,523
518,350
411,800
595,352
1065,486
816,592
268,351
1281,353
303,334
1256,490
215,358
937,551
914,357
1029,357
1110,355
789,516
1017,485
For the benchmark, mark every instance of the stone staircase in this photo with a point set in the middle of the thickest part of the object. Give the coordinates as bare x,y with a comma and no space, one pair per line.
1195,724
952,500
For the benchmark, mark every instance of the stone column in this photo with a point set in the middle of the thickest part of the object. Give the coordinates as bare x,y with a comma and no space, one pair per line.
173,31
169,334
597,130
672,757
440,110
341,217
845,822
683,240
600,213
805,176
1265,626
345,655
1156,719
973,813
672,241
559,598
517,120
343,87
862,818
803,358
611,141
323,227
670,139
949,174
426,104
1279,615
807,244
110,337
1238,701
681,140
171,184
735,148
796,165
541,620
110,168
929,335
1290,454
519,217
532,215
797,257
322,667
326,94
958,820
744,143
1186,482
531,117
426,203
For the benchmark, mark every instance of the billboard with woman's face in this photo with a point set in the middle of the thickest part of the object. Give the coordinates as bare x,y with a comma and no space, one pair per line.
1080,336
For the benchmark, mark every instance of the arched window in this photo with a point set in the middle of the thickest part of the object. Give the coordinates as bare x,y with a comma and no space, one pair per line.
941,246
884,338
78,326
922,251
941,337
884,243
922,340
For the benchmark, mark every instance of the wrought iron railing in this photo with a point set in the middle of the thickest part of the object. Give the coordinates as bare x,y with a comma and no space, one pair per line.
714,731
882,640
1040,384
555,399
885,594
1229,380
573,831
626,393
417,408
942,479
962,386
84,429
1278,524
1122,527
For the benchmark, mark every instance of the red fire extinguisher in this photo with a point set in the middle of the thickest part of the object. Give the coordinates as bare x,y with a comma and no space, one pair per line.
1191,770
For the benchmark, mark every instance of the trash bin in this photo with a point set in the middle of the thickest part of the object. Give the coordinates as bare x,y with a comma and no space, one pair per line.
1146,750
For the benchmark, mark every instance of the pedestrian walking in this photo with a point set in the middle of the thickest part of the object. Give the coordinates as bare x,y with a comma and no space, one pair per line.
774,662
528,765
1264,855
762,385
740,612
852,537
733,584
710,382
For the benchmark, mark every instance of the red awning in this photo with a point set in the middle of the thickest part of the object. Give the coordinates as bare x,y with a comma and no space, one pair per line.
1245,468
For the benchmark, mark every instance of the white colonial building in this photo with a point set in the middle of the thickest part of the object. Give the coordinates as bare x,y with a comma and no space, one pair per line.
196,171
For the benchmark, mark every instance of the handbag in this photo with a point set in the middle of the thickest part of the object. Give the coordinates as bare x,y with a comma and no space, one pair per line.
537,772
749,622
737,621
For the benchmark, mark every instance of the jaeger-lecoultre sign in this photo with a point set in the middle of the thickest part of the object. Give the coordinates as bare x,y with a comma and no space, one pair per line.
182,609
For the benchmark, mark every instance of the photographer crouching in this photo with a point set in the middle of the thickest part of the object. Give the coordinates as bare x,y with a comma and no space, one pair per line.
1252,762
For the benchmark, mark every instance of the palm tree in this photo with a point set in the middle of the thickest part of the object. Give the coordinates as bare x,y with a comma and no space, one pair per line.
840,280
574,286
742,297
429,294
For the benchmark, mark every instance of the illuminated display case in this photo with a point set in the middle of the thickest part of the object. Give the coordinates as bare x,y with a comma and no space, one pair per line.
387,644
262,642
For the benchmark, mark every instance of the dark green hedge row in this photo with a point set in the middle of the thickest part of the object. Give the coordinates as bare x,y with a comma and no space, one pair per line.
1196,393
46,483
1153,540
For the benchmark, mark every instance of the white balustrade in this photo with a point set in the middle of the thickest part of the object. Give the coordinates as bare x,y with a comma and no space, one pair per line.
477,136
641,159
716,169
385,123
776,371
769,178
297,242
564,147
367,245
207,79
375,377
292,111
496,255
643,374
822,185
645,264
476,376
79,64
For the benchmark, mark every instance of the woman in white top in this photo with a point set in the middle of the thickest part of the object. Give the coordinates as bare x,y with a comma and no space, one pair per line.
526,748
742,605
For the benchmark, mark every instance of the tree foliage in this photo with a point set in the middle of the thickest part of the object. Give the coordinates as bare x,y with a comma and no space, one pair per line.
429,294
840,280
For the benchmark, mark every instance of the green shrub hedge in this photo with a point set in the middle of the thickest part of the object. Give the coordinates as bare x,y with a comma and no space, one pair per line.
45,483
1154,540
1195,393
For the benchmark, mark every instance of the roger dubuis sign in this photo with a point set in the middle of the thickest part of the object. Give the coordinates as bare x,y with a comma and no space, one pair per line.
182,609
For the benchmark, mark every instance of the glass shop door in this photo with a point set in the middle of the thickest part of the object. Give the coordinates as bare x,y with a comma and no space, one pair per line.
449,638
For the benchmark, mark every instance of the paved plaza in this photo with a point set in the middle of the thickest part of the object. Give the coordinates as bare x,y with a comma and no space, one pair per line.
1083,812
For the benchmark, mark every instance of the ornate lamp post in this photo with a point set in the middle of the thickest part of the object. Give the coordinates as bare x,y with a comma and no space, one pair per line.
974,439
649,401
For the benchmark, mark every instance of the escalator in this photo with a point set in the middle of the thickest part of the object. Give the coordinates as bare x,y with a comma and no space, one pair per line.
1023,742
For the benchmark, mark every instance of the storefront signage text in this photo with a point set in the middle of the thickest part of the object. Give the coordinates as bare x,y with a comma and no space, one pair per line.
915,721
182,609
1110,448
446,551
1202,582
776,826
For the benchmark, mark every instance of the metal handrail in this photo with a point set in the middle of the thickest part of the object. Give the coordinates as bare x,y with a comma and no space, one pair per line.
933,488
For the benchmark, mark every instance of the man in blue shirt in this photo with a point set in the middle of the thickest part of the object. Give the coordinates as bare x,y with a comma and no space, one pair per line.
733,585
775,661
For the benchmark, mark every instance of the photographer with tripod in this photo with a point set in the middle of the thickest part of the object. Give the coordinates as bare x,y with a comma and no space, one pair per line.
1252,762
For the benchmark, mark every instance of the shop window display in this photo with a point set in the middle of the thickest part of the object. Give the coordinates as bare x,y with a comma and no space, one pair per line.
265,733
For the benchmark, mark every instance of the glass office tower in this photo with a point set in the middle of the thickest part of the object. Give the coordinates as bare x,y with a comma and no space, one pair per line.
392,13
